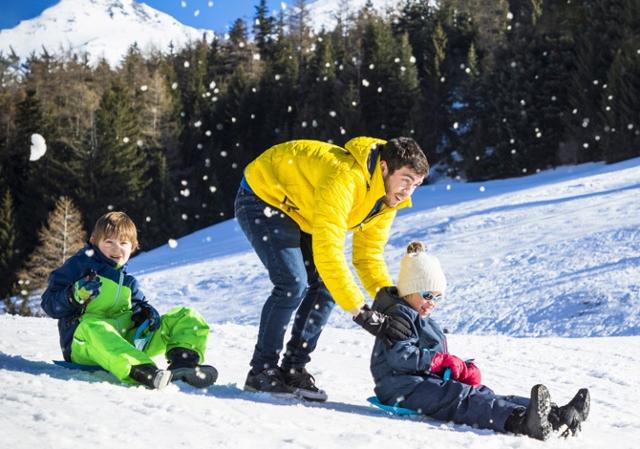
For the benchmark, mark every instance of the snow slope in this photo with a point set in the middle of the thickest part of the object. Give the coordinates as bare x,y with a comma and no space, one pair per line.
545,286
102,28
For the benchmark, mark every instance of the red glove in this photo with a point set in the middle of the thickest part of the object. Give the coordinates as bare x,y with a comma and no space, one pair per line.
441,361
473,376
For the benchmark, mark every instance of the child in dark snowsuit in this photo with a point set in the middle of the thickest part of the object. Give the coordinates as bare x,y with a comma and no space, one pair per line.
409,373
104,318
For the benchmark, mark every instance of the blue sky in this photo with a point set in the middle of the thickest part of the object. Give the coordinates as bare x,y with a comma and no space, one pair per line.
217,17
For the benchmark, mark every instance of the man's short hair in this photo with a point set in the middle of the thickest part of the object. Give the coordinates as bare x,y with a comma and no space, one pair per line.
404,151
115,225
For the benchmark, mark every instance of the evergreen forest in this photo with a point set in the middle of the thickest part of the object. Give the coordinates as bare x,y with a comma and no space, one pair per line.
488,88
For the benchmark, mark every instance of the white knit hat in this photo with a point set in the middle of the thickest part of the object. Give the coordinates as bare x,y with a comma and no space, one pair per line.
420,272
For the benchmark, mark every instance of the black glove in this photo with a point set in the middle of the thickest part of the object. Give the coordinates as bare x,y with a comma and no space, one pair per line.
144,311
388,327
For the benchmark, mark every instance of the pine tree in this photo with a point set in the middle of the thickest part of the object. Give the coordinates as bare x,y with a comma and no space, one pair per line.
8,244
621,103
60,238
115,167
598,34
263,31
389,80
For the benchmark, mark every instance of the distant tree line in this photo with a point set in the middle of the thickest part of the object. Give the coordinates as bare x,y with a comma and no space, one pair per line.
489,89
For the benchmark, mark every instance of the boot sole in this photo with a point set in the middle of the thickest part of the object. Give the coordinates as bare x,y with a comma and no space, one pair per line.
161,379
536,423
583,396
315,396
294,394
199,377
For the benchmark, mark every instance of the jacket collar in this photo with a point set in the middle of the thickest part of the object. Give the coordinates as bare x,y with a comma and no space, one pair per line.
387,298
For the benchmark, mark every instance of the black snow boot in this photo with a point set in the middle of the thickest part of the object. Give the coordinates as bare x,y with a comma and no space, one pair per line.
304,384
150,376
269,380
533,421
184,366
571,415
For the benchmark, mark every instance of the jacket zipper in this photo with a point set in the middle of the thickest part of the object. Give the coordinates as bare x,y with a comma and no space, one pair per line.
120,282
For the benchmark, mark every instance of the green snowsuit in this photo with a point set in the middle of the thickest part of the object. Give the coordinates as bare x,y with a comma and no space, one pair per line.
102,332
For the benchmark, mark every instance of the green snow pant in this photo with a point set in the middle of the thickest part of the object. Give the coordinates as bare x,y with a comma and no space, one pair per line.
108,342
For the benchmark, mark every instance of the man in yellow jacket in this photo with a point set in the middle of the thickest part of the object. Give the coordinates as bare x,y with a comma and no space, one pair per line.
296,203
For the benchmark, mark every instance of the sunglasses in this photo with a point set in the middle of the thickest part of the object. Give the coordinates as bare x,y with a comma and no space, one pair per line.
429,296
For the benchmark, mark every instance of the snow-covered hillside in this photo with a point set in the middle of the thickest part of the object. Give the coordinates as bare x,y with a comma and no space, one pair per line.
552,254
545,287
102,28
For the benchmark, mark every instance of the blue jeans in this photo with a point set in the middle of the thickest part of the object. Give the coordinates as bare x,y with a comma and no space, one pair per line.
285,251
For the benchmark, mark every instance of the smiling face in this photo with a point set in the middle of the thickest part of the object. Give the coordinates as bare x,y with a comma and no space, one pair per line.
400,184
422,305
116,249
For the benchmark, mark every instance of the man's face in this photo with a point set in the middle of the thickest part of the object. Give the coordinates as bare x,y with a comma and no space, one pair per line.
400,184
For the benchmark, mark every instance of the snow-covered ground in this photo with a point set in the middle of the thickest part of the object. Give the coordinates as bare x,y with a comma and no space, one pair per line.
545,287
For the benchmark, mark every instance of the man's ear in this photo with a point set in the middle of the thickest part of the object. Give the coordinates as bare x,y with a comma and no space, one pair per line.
384,168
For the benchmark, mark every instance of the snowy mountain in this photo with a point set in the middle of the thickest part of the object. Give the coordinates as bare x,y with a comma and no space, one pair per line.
103,28
544,275
324,13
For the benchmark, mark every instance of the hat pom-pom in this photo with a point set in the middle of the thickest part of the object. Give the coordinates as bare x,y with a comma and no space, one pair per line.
415,247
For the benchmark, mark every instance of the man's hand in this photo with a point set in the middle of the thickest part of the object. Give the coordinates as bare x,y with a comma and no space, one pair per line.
388,327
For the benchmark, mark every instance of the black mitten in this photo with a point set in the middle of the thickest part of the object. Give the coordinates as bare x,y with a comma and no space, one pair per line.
390,328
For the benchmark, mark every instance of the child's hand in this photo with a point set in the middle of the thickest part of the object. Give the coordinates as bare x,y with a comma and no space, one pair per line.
472,376
87,288
440,361
143,311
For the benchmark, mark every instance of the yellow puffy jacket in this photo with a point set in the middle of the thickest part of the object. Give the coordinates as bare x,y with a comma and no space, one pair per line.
329,190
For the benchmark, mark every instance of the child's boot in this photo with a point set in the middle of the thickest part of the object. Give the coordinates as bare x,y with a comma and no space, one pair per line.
571,415
533,421
183,364
150,376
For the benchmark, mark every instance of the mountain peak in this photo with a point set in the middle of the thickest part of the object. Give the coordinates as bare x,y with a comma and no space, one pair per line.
102,28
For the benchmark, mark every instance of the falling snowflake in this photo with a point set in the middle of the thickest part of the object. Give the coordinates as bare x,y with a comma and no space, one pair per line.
196,13
144,88
172,243
38,147
174,86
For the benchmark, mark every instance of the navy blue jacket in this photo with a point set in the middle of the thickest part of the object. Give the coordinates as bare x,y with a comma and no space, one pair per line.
119,291
397,370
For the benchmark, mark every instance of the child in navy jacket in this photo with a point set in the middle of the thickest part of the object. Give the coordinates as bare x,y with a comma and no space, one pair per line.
104,318
409,373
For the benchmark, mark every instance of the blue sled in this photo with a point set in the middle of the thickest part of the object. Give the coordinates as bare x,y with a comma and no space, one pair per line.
78,366
391,408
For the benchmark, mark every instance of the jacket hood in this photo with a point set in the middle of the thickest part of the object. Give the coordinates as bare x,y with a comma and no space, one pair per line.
386,299
360,148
